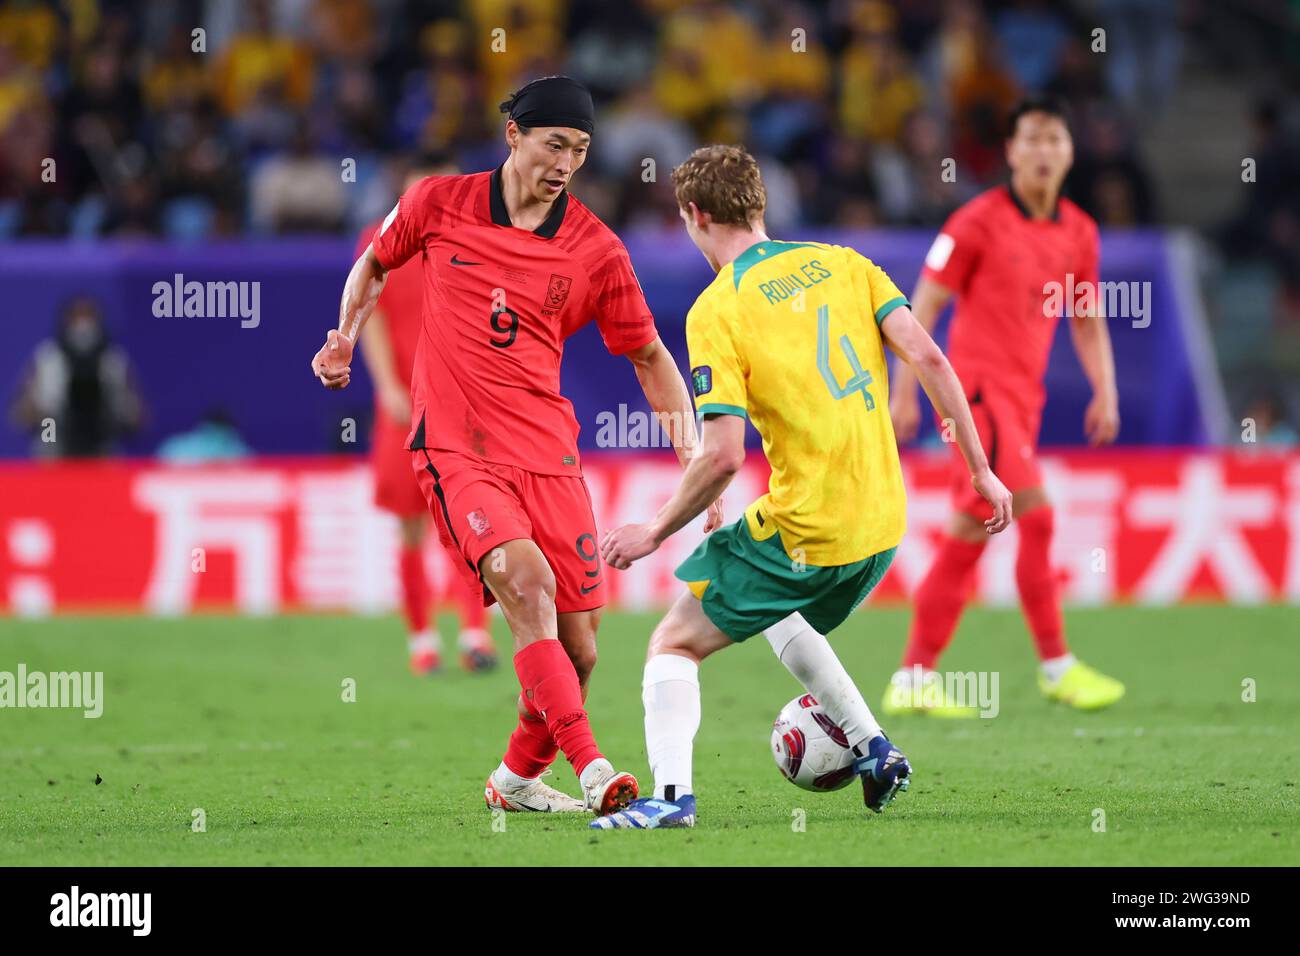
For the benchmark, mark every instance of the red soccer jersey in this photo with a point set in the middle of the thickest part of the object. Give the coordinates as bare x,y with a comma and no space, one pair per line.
1001,263
498,304
400,303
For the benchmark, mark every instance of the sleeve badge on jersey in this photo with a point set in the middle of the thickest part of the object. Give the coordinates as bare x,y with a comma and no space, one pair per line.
939,252
557,292
702,379
479,523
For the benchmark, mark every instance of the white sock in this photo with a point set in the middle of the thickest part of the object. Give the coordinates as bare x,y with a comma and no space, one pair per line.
670,691
473,639
808,656
423,641
1055,668
505,777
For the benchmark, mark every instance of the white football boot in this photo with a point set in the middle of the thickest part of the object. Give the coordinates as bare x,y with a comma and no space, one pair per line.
533,796
606,789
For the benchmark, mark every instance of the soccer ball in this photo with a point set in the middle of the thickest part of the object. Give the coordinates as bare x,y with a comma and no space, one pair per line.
809,749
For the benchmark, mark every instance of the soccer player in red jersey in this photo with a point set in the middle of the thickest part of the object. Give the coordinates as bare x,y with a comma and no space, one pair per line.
512,265
1000,254
389,344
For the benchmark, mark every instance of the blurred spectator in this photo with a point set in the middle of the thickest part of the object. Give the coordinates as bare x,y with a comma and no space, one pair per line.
19,84
259,62
200,174
442,104
515,40
1144,50
34,200
32,31
78,395
299,191
844,193
343,31
1108,178
706,68
175,77
979,91
951,50
215,438
635,130
878,87
1032,37
790,115
1268,224
614,49
913,187
103,111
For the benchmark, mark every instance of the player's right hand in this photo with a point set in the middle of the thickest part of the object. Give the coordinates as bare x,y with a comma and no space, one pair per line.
995,493
905,413
333,363
714,517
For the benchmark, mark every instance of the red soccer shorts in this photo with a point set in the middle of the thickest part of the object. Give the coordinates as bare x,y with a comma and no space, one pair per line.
396,489
1009,436
479,505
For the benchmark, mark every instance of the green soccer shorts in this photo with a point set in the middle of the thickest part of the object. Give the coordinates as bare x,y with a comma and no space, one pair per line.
746,586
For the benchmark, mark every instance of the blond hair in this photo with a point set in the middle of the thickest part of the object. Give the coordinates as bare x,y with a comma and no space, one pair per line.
724,182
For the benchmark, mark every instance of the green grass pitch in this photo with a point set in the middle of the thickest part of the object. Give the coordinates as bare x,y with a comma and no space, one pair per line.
244,719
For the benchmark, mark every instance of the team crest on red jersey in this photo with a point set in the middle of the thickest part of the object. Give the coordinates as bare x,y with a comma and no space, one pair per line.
479,523
557,293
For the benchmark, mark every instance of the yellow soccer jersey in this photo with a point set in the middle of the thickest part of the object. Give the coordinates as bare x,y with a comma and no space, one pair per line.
789,334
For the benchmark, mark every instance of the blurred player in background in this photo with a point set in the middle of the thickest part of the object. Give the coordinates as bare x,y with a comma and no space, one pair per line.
389,345
512,265
999,255
791,334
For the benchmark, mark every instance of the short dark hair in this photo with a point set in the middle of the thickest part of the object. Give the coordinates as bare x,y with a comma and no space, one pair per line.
1047,103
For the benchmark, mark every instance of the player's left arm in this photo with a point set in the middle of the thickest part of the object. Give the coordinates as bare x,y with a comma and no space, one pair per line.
913,344
721,454
402,234
1092,344
1091,341
665,390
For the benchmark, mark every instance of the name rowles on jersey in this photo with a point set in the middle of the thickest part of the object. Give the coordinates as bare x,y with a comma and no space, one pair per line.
809,274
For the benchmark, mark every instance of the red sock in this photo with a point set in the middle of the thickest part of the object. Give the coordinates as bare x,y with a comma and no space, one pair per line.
1037,582
415,590
551,684
473,615
940,600
531,748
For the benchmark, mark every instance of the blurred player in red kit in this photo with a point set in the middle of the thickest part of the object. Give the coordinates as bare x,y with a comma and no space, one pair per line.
512,264
1000,255
389,345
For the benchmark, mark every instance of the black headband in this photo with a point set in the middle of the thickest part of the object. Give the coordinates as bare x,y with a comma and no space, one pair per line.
552,101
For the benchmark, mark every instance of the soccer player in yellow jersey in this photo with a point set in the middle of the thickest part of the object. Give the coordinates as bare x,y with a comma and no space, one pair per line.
790,335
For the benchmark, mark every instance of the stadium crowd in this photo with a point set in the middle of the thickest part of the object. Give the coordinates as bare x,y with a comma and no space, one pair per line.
244,128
